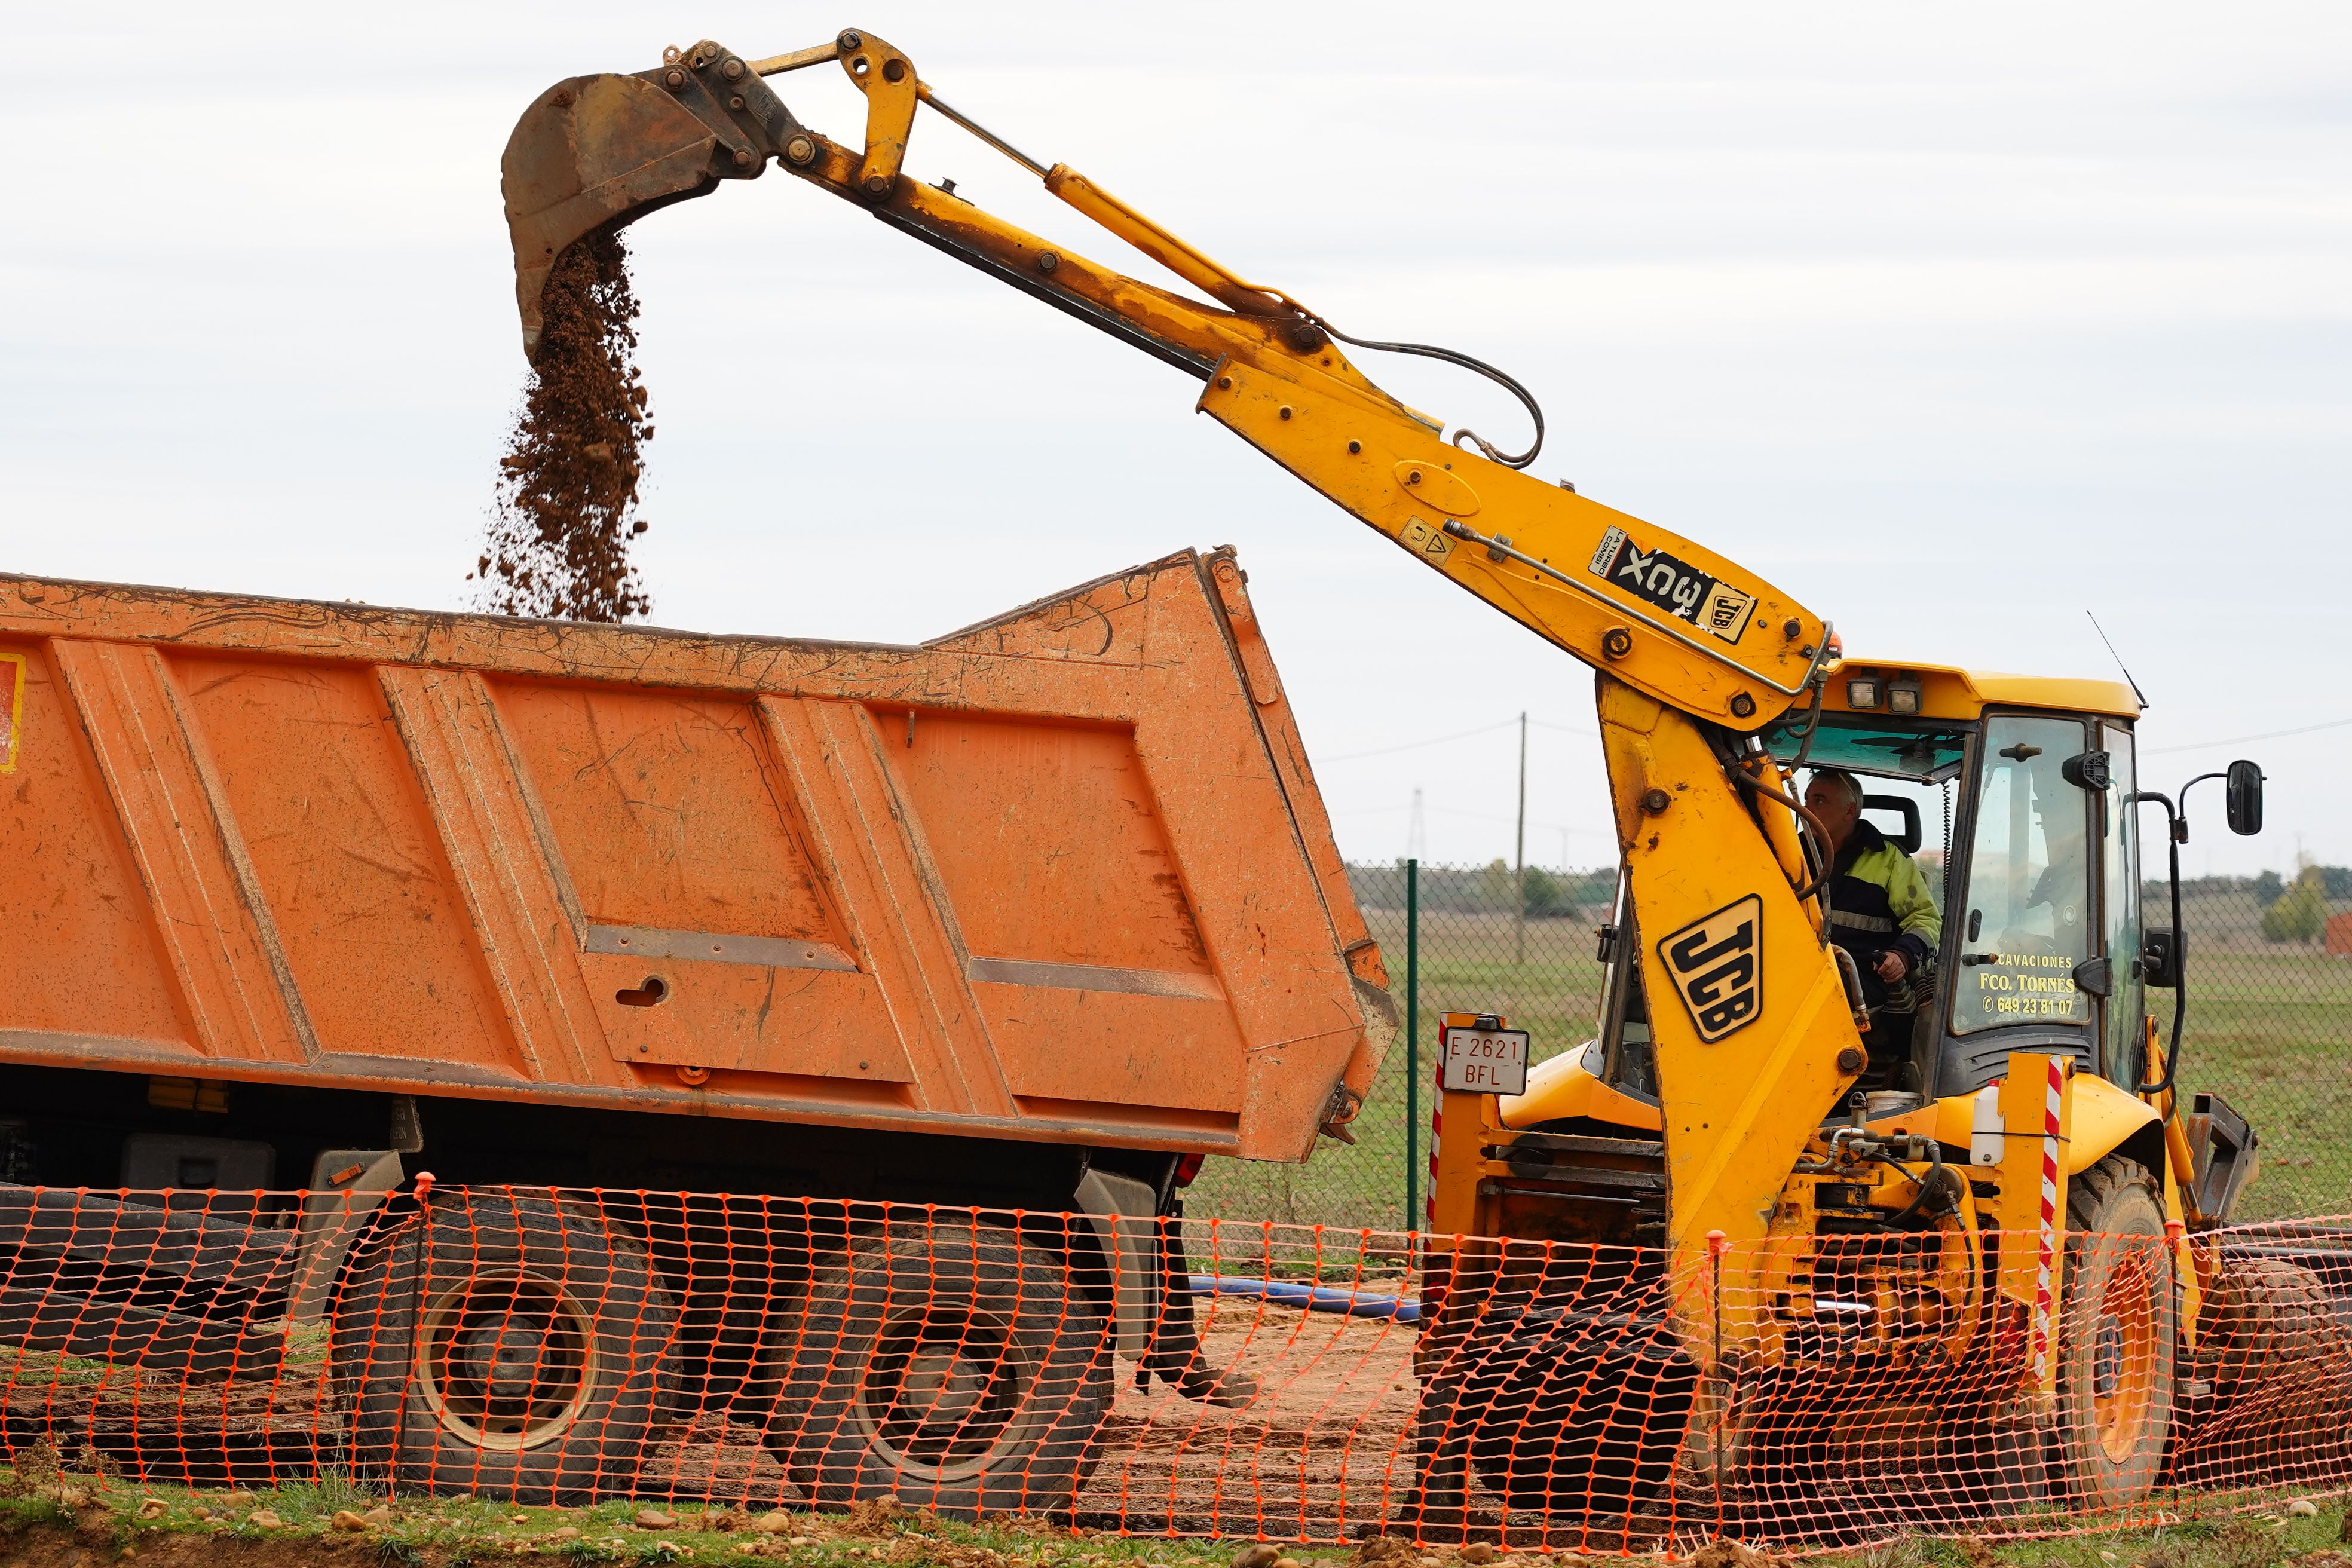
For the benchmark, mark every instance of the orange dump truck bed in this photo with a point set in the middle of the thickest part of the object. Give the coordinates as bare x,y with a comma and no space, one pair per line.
1063,876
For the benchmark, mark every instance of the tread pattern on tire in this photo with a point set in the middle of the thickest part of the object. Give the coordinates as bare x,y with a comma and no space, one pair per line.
2095,1198
2280,1367
943,1267
393,1431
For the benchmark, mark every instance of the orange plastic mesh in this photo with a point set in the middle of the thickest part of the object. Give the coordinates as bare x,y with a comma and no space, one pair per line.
1170,1377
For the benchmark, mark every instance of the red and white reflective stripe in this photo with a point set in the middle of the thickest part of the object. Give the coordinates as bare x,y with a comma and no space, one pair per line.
2050,1104
1436,1129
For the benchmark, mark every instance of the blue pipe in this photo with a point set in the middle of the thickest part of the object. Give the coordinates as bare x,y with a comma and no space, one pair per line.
1312,1298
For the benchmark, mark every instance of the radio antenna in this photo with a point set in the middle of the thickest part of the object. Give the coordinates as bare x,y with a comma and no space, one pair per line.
2119,661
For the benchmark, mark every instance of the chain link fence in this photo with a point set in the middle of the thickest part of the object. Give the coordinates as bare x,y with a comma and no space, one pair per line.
2269,1026
1455,939
2270,1029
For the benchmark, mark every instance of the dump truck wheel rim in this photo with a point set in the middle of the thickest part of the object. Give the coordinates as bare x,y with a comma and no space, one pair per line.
506,1361
942,1394
2123,1357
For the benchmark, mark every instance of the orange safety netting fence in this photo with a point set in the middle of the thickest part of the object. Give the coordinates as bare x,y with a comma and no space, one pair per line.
1172,1377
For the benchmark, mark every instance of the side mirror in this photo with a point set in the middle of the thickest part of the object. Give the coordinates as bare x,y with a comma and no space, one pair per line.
2090,771
2243,798
2161,954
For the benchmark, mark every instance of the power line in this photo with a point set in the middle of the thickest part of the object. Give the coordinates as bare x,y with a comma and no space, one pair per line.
1416,745
1472,815
2241,739
1490,817
1442,740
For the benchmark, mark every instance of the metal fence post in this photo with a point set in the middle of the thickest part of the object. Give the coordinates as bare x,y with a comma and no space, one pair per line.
1411,1045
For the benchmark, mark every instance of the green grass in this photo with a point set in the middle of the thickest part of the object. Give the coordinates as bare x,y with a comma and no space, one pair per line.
2214,1537
2272,1033
450,1531
36,1497
48,1370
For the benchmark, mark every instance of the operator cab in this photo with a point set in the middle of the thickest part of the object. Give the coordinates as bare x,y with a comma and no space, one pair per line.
2033,862
2015,796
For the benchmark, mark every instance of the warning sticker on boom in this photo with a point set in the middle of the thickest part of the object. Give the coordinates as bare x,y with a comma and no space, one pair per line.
1430,544
1717,964
1679,589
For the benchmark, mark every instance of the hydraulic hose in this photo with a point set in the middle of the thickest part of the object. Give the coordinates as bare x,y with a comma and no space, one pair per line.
1813,727
1452,356
1928,1183
1806,819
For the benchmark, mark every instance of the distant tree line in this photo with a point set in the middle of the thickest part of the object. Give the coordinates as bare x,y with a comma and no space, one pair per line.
2292,911
1488,889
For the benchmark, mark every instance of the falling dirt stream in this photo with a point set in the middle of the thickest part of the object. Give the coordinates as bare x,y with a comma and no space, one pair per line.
565,509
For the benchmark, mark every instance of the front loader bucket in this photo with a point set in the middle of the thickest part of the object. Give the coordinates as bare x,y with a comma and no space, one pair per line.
605,150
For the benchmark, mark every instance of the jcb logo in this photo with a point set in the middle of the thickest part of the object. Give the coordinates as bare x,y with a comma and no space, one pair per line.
1718,966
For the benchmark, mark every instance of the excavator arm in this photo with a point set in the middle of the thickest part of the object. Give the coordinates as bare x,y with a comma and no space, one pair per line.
1695,654
1700,633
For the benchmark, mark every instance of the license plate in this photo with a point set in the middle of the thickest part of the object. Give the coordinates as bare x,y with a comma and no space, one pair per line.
1484,1062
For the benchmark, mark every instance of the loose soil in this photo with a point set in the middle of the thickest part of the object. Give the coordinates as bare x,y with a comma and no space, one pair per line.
565,509
1323,1455
1321,1451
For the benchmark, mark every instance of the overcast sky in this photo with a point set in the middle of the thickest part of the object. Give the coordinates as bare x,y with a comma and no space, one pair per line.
1954,322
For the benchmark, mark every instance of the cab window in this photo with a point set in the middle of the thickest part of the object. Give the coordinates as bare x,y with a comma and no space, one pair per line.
2025,922
1899,764
2127,1058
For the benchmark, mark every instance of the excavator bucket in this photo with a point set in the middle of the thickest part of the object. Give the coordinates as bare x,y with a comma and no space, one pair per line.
598,152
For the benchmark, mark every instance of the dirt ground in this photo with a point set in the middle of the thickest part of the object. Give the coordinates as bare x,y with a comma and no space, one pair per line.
1321,1448
63,1548
1319,1454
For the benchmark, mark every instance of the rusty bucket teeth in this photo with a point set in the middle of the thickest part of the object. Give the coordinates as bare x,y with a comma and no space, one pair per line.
598,151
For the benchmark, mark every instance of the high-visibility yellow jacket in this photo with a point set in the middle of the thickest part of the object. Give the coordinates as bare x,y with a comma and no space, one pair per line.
1880,899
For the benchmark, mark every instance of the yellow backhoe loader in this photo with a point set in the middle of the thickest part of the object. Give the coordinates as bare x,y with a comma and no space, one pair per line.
1816,1195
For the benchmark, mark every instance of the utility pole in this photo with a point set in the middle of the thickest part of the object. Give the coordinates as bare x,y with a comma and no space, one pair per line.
1520,854
1412,1042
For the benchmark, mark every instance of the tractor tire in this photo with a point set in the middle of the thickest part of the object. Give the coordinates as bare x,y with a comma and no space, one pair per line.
516,1347
2266,1314
1578,1419
951,1364
2275,1360
2118,1337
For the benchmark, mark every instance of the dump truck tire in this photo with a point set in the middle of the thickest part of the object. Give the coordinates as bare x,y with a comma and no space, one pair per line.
2116,1339
949,1363
517,1348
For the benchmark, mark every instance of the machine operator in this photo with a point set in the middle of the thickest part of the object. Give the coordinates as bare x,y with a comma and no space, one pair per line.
1881,912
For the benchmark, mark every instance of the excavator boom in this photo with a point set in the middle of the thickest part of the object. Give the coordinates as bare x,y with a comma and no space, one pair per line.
1689,627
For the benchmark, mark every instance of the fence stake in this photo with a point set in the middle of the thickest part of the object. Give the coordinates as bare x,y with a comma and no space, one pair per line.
1411,1043
1716,1246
